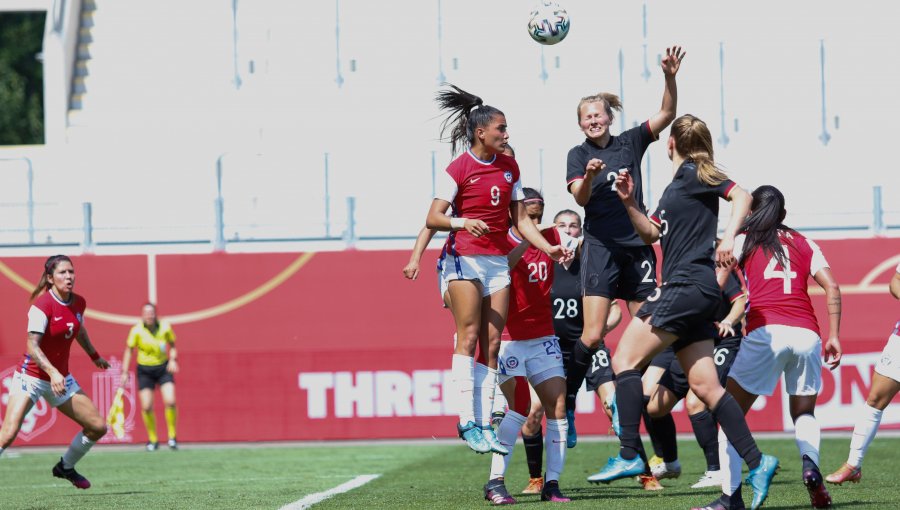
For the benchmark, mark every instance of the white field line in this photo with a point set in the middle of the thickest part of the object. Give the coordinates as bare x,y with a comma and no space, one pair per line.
318,497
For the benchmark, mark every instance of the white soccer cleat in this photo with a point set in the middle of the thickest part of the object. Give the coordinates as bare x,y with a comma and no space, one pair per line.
709,479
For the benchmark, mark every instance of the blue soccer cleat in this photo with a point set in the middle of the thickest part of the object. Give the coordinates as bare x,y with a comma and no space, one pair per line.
760,479
571,436
490,437
618,468
614,409
472,435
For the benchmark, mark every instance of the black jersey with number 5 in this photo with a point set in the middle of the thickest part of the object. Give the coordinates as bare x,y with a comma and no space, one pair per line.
565,298
687,217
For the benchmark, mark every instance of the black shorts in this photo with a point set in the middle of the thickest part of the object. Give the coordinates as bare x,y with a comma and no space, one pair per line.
675,380
683,310
566,345
600,372
149,377
663,359
724,354
627,273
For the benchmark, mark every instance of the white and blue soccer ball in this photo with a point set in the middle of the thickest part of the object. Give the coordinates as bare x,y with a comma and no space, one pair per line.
548,22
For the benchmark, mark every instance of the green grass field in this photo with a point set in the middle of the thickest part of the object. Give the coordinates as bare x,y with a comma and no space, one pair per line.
412,475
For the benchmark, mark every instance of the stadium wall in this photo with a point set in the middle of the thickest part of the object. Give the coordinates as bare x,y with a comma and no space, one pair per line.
338,345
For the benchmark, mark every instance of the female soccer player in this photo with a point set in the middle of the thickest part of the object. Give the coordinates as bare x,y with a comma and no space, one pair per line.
615,262
885,385
56,318
156,366
782,332
483,186
530,349
681,311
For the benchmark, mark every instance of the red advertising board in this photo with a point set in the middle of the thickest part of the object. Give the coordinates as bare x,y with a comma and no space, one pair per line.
338,345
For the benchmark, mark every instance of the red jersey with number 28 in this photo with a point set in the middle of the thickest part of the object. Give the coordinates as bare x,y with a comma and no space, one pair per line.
776,294
530,313
480,190
60,323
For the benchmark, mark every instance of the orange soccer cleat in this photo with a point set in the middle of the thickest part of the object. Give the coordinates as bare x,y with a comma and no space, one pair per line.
535,486
650,483
845,473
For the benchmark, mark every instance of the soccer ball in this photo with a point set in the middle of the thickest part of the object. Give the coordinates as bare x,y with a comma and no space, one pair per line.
548,22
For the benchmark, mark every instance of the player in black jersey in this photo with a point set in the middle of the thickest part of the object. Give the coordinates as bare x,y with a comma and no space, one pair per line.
616,264
681,311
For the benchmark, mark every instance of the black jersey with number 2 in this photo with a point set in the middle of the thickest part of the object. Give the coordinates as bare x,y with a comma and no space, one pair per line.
565,297
687,217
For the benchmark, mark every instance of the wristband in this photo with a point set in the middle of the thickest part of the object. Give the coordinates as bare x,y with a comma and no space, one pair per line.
95,356
457,223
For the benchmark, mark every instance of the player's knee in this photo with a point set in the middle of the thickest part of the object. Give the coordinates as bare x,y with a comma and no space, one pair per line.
878,401
708,391
96,430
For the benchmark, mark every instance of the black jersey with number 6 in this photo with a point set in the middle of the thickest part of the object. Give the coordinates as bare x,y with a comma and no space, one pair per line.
565,297
687,217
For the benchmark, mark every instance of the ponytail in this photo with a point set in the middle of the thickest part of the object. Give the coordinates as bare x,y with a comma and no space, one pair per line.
465,113
49,267
694,141
761,227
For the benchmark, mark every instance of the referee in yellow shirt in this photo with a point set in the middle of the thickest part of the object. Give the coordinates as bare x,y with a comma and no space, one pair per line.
156,366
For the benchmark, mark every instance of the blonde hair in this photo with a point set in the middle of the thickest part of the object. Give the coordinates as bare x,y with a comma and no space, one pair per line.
610,102
694,141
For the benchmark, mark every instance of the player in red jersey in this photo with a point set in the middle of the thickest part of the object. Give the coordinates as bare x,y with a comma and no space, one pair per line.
782,331
55,319
483,187
885,385
530,349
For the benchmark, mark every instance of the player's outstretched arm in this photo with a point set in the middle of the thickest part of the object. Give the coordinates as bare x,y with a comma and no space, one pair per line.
411,270
833,301
740,208
670,65
646,229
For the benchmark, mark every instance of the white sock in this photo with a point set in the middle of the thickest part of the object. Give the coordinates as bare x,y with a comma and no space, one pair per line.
730,464
1,451
863,434
506,434
555,446
500,402
808,435
485,386
463,369
80,445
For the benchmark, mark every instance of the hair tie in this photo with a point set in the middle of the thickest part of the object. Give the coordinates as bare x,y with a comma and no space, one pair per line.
539,200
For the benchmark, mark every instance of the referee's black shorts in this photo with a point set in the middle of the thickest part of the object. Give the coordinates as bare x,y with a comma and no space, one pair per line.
151,376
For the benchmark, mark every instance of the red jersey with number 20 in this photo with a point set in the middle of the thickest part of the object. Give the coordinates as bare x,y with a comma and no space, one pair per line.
480,190
530,313
776,294
60,323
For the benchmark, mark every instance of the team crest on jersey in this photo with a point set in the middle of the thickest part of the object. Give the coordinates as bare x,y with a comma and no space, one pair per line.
78,316
508,176
512,362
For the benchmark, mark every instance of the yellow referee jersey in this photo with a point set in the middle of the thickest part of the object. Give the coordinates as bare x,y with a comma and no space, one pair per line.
153,349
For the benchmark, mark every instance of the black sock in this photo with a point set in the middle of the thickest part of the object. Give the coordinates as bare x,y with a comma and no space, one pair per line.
534,453
707,437
730,417
648,424
629,401
576,370
808,464
664,429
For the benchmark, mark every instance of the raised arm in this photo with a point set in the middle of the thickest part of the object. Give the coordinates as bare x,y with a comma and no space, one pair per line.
833,301
84,340
531,233
646,229
740,207
670,65
411,270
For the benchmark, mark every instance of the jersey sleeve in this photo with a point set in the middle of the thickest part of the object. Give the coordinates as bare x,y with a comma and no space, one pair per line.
445,187
818,261
733,288
170,334
643,136
575,164
37,320
517,192
725,187
132,340
739,247
656,218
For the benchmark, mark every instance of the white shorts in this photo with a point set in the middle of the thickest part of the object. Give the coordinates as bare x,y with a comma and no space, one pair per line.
538,359
889,363
36,388
771,350
491,270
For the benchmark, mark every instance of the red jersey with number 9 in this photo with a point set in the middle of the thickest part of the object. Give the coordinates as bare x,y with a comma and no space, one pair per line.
779,295
530,312
60,323
481,190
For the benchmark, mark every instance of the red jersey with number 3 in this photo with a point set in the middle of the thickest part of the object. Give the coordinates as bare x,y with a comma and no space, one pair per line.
60,323
778,294
530,313
481,190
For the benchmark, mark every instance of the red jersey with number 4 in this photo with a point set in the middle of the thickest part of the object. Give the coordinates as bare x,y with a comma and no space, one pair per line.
481,190
60,323
530,313
776,294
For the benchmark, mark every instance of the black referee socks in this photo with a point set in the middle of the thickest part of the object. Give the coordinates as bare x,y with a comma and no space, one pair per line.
731,418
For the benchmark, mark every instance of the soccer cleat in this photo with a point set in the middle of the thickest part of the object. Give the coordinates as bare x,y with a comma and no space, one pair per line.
709,479
551,492
571,436
617,428
71,475
491,439
535,485
655,461
496,418
721,504
649,483
845,473
666,470
471,434
818,494
760,479
152,447
495,492
173,444
617,468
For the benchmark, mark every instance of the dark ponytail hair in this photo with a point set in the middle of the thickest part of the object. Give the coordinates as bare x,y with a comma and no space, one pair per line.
49,267
762,225
466,113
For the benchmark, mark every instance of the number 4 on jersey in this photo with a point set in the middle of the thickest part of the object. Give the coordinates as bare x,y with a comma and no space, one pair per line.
787,275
